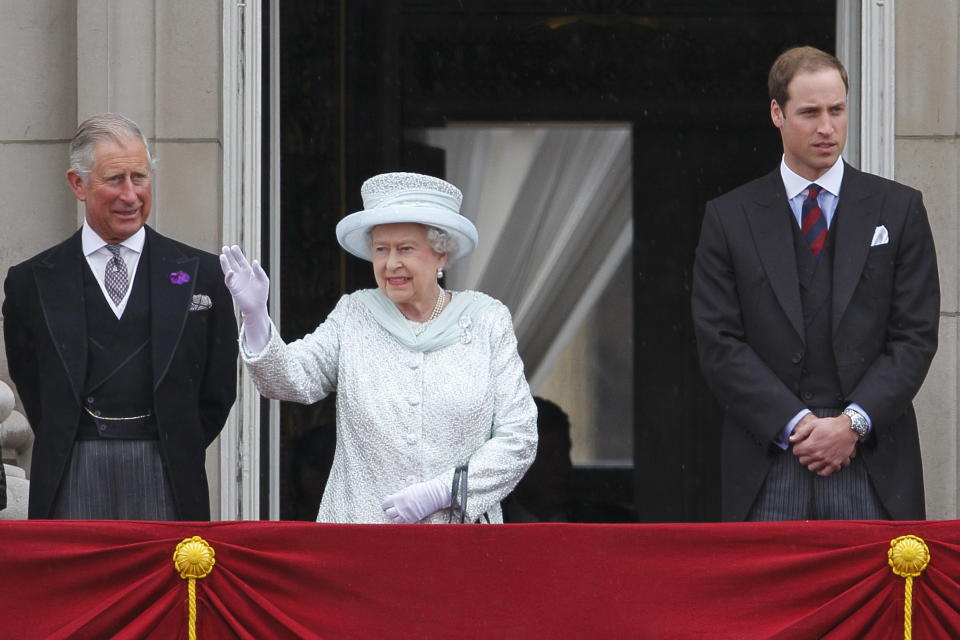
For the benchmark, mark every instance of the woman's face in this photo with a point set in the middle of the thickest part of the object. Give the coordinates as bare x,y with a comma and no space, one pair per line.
405,266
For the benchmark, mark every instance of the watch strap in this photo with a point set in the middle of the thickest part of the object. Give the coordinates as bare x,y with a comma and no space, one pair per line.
858,422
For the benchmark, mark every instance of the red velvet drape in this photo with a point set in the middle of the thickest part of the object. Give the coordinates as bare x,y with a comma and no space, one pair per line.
82,579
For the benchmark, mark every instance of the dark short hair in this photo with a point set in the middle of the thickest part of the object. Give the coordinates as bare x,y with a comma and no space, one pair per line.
795,60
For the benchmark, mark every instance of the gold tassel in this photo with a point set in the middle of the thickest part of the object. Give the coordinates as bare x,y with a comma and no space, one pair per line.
192,559
908,556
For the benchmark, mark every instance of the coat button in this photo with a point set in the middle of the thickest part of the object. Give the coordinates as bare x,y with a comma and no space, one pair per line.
797,357
414,401
807,395
89,399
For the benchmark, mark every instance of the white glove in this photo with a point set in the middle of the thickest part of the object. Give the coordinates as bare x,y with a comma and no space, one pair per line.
250,287
417,501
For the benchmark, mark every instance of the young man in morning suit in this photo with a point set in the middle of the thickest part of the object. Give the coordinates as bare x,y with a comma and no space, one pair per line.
816,306
123,347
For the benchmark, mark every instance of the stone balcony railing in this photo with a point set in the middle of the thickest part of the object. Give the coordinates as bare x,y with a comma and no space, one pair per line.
16,443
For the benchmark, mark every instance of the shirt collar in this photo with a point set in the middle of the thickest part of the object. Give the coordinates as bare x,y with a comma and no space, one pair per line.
795,184
93,242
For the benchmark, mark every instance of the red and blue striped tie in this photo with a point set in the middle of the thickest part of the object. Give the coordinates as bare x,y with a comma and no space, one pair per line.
813,224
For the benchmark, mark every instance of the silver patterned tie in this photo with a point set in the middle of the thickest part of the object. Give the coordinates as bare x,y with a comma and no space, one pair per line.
115,276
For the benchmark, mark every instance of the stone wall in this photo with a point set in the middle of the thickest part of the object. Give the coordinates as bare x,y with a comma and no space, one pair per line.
928,158
38,70
160,63
156,62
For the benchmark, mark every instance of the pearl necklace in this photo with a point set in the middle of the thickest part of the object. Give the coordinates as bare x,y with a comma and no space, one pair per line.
438,307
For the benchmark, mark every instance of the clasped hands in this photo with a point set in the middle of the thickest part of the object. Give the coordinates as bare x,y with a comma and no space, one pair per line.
824,445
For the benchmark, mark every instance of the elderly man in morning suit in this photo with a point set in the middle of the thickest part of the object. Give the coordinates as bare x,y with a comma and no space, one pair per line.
816,306
123,346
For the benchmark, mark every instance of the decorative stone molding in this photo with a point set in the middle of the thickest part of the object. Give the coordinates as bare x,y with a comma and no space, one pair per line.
240,438
865,45
878,38
848,51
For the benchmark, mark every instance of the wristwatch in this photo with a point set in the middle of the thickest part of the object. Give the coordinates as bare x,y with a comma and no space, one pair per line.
857,422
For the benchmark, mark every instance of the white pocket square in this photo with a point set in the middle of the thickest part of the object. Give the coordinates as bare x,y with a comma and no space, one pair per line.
880,236
200,302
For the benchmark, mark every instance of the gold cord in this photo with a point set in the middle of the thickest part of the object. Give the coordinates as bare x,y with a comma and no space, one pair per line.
908,556
193,559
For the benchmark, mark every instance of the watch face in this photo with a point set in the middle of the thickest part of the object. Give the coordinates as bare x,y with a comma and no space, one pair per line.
857,422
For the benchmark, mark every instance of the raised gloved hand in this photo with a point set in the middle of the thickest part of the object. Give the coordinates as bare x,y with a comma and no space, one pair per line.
417,501
250,287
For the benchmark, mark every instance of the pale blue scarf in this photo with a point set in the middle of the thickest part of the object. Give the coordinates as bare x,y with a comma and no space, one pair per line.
453,325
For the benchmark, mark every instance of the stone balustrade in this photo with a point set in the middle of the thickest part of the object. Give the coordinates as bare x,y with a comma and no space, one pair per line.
16,444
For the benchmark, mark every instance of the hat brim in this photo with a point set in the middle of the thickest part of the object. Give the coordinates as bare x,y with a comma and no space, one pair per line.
352,230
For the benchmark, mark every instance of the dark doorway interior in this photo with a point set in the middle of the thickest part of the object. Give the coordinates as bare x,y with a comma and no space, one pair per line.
688,75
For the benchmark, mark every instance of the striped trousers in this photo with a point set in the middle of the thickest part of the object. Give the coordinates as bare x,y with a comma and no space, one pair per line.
115,480
792,492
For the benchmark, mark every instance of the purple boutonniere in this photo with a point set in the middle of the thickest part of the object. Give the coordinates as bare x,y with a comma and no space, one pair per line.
179,277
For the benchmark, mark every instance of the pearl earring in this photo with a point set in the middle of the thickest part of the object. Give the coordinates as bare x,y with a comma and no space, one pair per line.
439,272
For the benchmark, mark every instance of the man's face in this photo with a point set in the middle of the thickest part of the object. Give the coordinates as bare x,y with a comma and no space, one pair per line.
118,192
813,122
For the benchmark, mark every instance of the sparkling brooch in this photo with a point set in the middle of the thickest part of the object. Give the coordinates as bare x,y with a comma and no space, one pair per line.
465,323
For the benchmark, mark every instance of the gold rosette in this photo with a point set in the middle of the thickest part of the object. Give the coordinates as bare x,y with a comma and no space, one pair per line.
908,556
192,559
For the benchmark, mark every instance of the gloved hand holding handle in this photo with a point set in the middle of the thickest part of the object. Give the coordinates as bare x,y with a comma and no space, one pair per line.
417,501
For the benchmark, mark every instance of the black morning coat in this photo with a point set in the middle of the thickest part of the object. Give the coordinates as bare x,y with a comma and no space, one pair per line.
749,327
193,353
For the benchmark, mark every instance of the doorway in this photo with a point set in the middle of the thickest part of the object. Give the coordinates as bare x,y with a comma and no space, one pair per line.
361,82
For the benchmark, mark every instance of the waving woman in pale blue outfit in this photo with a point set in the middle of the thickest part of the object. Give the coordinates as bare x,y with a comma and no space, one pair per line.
434,415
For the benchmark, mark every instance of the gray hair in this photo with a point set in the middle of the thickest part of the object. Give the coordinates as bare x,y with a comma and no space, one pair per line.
440,241
100,128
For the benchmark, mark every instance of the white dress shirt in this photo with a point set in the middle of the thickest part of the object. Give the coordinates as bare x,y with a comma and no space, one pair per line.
97,255
795,187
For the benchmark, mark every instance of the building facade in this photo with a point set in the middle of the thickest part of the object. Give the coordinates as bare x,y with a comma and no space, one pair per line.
203,79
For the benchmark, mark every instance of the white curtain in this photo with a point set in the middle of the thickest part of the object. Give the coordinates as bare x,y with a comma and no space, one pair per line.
553,209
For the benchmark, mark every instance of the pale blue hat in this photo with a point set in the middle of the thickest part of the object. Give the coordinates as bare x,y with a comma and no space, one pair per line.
407,197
